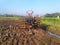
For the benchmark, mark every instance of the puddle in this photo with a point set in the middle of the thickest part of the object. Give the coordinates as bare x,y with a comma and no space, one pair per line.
55,35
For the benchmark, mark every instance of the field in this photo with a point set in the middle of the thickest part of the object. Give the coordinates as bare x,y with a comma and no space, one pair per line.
54,24
13,32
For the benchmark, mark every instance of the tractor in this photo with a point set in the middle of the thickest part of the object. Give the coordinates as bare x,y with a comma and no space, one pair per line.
32,22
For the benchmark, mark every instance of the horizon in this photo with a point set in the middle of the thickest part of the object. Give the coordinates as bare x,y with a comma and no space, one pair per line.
20,7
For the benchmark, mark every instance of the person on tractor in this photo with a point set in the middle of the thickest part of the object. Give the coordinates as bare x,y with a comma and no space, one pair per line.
31,21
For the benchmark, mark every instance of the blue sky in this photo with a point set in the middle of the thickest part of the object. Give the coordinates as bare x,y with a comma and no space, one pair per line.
21,6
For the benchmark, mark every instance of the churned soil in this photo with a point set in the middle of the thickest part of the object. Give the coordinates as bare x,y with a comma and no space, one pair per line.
14,32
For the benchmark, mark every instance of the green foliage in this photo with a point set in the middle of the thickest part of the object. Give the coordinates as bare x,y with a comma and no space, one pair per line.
9,15
51,21
53,24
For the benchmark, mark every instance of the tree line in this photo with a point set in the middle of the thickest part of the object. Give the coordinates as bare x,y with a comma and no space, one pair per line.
52,15
9,15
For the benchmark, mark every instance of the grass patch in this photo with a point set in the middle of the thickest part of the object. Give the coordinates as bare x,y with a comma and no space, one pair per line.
54,24
9,18
51,21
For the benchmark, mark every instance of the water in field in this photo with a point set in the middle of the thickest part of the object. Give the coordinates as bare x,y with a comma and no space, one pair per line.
55,35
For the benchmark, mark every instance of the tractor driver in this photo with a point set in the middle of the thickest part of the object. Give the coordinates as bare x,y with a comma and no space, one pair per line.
31,20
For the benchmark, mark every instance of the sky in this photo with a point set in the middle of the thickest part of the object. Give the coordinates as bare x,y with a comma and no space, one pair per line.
21,6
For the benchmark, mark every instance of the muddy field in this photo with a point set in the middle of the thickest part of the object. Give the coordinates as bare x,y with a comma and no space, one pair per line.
13,32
